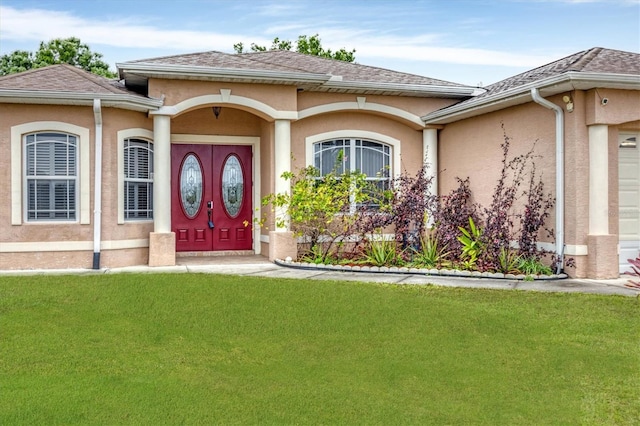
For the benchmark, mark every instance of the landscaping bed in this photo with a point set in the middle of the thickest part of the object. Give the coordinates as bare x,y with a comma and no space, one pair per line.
418,271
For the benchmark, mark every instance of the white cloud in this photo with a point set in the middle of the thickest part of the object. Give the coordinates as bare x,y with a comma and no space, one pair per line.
35,24
279,9
425,47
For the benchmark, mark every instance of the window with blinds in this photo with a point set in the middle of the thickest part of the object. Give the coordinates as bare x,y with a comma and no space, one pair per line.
51,176
355,155
138,179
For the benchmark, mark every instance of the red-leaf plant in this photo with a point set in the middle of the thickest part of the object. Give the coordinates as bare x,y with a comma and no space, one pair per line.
635,265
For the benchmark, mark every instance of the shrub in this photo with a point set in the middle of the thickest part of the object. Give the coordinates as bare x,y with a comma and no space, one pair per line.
451,213
534,216
410,203
382,252
430,254
635,272
472,245
508,261
319,209
499,228
533,266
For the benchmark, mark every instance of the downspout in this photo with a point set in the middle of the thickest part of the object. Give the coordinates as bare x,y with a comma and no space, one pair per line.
559,175
97,192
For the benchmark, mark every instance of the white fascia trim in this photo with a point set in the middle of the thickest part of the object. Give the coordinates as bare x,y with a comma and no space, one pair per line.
58,246
226,98
17,201
151,70
423,89
129,102
521,94
121,136
362,105
589,80
395,144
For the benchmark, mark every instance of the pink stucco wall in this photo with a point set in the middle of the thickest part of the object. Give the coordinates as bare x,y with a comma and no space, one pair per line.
471,148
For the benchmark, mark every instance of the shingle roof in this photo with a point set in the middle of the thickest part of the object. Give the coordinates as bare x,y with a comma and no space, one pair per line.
594,60
288,61
62,78
595,67
348,71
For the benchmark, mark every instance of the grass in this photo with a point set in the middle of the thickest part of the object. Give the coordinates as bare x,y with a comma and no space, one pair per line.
208,349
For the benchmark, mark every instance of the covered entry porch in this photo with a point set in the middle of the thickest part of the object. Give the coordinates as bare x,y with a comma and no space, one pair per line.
204,217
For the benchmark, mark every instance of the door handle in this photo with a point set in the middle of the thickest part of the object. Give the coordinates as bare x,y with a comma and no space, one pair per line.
209,212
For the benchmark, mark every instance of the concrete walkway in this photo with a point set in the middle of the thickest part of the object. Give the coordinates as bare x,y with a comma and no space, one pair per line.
261,267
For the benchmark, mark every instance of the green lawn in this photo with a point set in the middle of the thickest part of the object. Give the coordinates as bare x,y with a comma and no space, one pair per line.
211,349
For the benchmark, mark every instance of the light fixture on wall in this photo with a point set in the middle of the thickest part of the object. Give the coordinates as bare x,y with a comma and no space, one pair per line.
216,111
567,100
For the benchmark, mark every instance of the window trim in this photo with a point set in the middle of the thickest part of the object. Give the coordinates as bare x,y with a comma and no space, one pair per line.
18,191
395,145
133,133
31,143
356,134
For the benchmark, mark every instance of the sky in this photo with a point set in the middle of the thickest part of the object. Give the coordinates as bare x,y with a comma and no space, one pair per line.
473,42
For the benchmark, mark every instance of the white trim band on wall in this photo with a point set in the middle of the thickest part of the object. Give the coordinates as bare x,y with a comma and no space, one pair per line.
57,246
362,105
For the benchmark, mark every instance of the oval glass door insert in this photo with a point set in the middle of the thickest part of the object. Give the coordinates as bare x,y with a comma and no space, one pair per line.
191,186
232,185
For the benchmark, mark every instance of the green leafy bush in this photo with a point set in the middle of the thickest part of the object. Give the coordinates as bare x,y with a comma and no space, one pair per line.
430,254
533,266
320,210
383,252
508,261
472,246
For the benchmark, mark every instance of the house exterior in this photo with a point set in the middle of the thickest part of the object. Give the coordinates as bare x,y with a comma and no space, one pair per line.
584,110
173,158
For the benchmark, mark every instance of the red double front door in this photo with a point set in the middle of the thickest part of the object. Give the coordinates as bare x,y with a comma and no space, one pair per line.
211,197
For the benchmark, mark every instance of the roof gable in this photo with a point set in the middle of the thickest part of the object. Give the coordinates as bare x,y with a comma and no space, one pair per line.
308,72
592,68
64,84
61,78
595,60
349,71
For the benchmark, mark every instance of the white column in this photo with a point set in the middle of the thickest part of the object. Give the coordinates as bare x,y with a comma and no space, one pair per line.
598,179
162,173
430,156
282,157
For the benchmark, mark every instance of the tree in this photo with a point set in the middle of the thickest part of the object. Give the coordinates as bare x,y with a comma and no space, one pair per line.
58,51
309,45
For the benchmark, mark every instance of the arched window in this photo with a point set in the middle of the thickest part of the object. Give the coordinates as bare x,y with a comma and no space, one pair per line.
138,179
355,155
51,176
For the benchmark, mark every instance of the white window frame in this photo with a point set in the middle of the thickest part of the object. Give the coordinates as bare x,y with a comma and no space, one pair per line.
53,163
122,135
146,214
352,136
18,171
395,145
